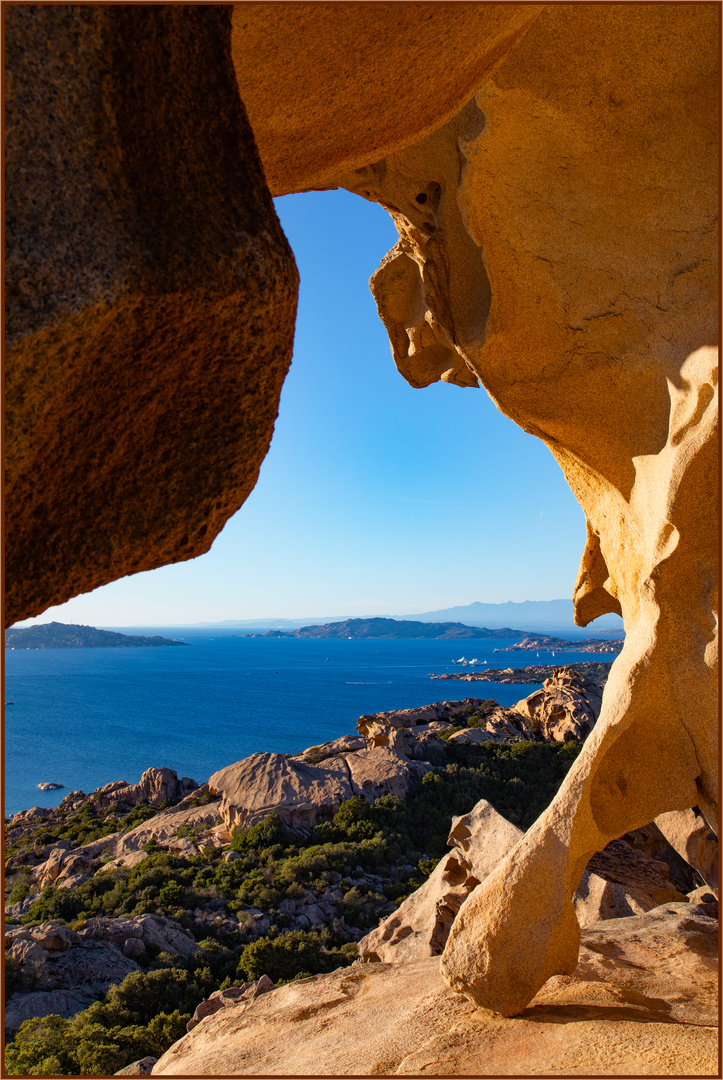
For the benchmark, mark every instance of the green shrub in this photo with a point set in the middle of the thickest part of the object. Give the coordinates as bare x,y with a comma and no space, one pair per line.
291,956
172,895
262,835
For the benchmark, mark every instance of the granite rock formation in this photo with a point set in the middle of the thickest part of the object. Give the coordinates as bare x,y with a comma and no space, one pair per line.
156,785
552,172
150,291
619,882
566,707
304,795
557,243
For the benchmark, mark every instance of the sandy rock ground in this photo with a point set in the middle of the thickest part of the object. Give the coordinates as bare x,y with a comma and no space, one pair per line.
642,1001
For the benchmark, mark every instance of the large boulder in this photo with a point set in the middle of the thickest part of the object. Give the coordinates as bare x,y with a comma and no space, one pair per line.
65,1003
90,965
314,754
150,294
612,1015
133,936
304,795
421,924
156,785
688,833
301,794
423,715
565,707
229,998
55,957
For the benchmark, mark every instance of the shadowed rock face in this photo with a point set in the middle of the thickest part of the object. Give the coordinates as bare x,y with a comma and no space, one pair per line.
557,243
150,294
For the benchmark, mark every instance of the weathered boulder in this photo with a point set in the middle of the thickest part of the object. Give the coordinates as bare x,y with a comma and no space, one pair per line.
421,924
26,951
502,724
347,743
142,1067
383,771
151,294
425,714
35,813
645,880
304,795
611,1016
47,872
65,1003
92,965
155,786
133,936
224,999
301,794
53,937
565,707
164,829
16,910
57,957
688,832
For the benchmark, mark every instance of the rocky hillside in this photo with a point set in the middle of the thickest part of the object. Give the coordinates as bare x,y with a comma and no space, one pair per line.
145,911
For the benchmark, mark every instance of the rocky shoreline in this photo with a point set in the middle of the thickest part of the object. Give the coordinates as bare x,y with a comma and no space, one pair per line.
595,671
543,642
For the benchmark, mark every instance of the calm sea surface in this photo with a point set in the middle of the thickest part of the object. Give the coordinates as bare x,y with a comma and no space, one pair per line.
84,717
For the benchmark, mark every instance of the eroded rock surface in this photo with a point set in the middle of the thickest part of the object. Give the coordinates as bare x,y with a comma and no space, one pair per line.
619,882
529,259
566,707
304,795
612,1016
150,293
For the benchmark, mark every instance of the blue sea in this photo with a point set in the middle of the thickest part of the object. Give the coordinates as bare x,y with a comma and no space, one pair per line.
84,717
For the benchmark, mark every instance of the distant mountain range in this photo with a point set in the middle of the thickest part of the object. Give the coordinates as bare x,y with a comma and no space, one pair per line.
534,614
57,635
537,615
397,628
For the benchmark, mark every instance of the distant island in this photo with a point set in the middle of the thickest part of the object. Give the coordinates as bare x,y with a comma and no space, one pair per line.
56,635
394,628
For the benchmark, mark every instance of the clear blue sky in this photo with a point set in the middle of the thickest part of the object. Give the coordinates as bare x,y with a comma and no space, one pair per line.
375,499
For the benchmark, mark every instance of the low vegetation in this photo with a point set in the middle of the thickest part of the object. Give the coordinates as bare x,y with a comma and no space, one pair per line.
369,857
